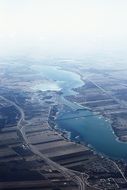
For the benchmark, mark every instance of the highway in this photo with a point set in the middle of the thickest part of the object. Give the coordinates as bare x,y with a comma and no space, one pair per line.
79,178
69,174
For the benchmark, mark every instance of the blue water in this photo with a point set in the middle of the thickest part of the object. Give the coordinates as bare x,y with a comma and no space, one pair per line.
93,130
64,79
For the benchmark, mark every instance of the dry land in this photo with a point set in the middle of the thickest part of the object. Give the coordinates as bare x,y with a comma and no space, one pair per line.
34,155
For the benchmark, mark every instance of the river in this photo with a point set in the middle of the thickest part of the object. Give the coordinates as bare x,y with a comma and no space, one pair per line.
87,128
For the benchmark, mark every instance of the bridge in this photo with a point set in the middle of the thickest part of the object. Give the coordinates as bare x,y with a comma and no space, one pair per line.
76,117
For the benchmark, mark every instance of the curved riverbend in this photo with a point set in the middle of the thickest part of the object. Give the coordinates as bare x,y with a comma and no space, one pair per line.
93,130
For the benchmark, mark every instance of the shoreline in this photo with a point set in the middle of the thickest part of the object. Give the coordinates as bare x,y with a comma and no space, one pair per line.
67,136
105,117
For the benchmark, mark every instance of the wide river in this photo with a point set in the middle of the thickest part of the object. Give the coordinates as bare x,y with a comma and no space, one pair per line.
93,129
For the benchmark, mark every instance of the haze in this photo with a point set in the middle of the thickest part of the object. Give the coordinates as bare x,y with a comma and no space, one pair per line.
73,28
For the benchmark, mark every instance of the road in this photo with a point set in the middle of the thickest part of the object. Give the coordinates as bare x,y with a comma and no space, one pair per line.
108,94
120,103
69,174
79,178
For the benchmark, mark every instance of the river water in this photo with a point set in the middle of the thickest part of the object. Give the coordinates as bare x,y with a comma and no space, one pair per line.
87,128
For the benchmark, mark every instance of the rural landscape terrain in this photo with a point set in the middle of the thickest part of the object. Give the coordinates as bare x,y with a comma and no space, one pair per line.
37,154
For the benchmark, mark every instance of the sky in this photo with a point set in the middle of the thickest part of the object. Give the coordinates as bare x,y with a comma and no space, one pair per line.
62,27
